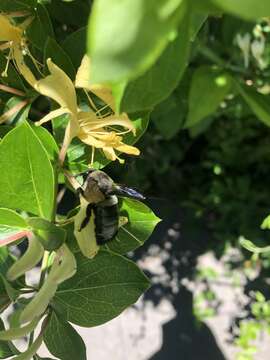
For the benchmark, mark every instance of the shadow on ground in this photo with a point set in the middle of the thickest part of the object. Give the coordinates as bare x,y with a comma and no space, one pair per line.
178,241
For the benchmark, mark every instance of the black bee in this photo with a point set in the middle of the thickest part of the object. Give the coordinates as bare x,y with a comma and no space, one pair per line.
99,208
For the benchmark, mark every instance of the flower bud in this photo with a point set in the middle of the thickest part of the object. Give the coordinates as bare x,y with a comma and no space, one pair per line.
28,260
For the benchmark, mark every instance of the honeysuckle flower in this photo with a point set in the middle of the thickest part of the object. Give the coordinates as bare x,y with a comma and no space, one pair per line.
12,38
86,237
257,50
243,41
90,127
83,78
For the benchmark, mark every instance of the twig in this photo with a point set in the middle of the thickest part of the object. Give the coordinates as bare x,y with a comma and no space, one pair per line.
11,90
15,109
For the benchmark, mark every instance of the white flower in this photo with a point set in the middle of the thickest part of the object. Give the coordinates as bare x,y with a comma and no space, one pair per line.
257,50
243,41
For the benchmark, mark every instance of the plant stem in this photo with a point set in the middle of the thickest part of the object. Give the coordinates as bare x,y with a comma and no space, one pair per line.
212,56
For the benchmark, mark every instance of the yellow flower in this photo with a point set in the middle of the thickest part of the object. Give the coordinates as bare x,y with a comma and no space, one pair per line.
90,127
12,38
83,78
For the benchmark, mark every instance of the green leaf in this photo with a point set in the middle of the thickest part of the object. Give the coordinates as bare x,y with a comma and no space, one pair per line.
75,46
140,225
11,223
258,103
12,293
63,341
198,18
73,13
4,129
19,116
201,127
50,235
5,350
54,51
47,141
100,290
246,9
169,117
5,260
40,28
266,223
4,300
201,102
160,80
13,78
27,175
126,37
16,5
247,244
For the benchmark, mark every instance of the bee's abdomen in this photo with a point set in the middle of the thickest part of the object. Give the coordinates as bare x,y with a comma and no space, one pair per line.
106,220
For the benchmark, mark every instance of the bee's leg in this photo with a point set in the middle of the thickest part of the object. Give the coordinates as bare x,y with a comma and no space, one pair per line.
123,220
88,214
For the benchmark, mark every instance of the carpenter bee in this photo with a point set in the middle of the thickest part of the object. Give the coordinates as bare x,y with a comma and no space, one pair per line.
98,219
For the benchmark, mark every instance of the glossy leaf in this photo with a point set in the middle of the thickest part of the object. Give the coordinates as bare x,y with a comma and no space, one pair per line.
141,222
5,260
100,290
126,37
4,129
4,299
12,293
13,78
28,185
247,9
40,28
50,236
5,350
209,86
19,116
74,13
11,224
257,102
47,141
16,5
169,115
160,80
266,223
63,341
75,46
54,51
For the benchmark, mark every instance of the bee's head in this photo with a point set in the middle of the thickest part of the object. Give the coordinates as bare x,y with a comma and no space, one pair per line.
97,186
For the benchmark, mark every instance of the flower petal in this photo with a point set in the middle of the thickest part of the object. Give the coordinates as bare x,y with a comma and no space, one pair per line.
22,67
53,114
9,32
72,130
92,122
85,237
58,87
82,80
127,149
90,140
109,153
